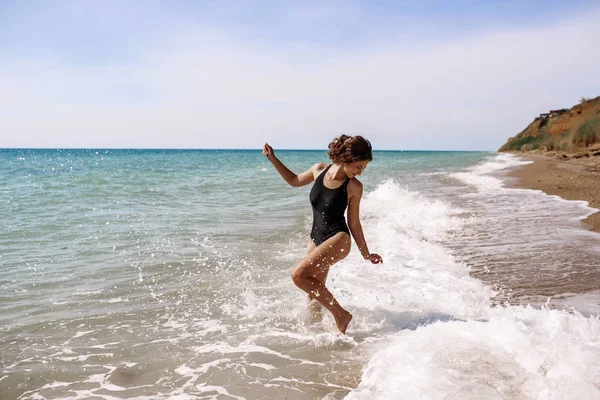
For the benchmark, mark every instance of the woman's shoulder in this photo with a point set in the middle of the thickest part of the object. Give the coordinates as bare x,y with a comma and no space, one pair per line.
318,168
355,187
315,170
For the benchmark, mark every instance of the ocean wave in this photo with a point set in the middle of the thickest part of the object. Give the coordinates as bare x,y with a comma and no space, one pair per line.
440,335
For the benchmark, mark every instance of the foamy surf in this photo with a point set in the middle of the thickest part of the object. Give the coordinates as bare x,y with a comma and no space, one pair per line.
441,338
517,353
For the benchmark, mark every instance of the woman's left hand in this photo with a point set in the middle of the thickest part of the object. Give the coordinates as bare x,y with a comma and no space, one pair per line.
374,258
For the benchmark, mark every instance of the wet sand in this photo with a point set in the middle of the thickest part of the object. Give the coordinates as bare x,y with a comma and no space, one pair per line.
571,179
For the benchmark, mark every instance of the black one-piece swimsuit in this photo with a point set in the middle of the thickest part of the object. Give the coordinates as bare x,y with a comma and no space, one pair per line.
328,207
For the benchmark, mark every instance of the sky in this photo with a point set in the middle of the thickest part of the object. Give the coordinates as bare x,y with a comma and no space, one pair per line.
407,75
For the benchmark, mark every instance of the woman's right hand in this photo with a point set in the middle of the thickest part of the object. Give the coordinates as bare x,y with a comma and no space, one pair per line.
374,258
268,152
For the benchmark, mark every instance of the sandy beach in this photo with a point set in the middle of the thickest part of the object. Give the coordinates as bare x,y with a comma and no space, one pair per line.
571,179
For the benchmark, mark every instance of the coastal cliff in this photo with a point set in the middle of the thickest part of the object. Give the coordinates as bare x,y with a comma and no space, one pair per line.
566,133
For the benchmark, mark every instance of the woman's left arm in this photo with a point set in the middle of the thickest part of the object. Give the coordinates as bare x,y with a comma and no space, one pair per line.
355,191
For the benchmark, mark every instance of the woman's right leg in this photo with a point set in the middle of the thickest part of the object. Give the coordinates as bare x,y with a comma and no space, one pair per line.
315,313
317,264
314,308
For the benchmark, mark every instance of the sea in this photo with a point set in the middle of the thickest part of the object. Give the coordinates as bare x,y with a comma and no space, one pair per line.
165,274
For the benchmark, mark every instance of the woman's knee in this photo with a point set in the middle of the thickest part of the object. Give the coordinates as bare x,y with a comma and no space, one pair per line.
305,269
297,276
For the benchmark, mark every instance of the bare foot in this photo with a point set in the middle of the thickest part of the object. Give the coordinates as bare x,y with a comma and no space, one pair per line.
315,311
342,321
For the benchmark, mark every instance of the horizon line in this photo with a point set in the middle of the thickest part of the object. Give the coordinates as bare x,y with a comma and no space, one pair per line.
220,149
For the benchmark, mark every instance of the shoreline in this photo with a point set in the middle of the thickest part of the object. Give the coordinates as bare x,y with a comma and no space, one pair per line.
570,179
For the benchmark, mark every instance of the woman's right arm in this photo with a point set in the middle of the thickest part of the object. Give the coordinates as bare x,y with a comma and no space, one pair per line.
291,178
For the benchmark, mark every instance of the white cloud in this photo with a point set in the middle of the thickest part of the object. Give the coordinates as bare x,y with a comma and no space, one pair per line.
203,88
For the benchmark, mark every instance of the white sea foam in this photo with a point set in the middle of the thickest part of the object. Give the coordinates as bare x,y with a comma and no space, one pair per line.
85,357
440,337
519,352
418,276
479,176
82,333
225,348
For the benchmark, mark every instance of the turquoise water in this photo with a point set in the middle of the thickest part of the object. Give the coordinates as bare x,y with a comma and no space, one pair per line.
165,274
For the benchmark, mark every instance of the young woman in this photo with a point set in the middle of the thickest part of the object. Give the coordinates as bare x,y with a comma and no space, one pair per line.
335,188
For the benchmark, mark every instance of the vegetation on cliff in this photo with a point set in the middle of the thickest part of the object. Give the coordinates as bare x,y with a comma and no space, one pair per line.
574,131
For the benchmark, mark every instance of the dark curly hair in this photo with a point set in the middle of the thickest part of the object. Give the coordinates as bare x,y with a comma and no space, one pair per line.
348,149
